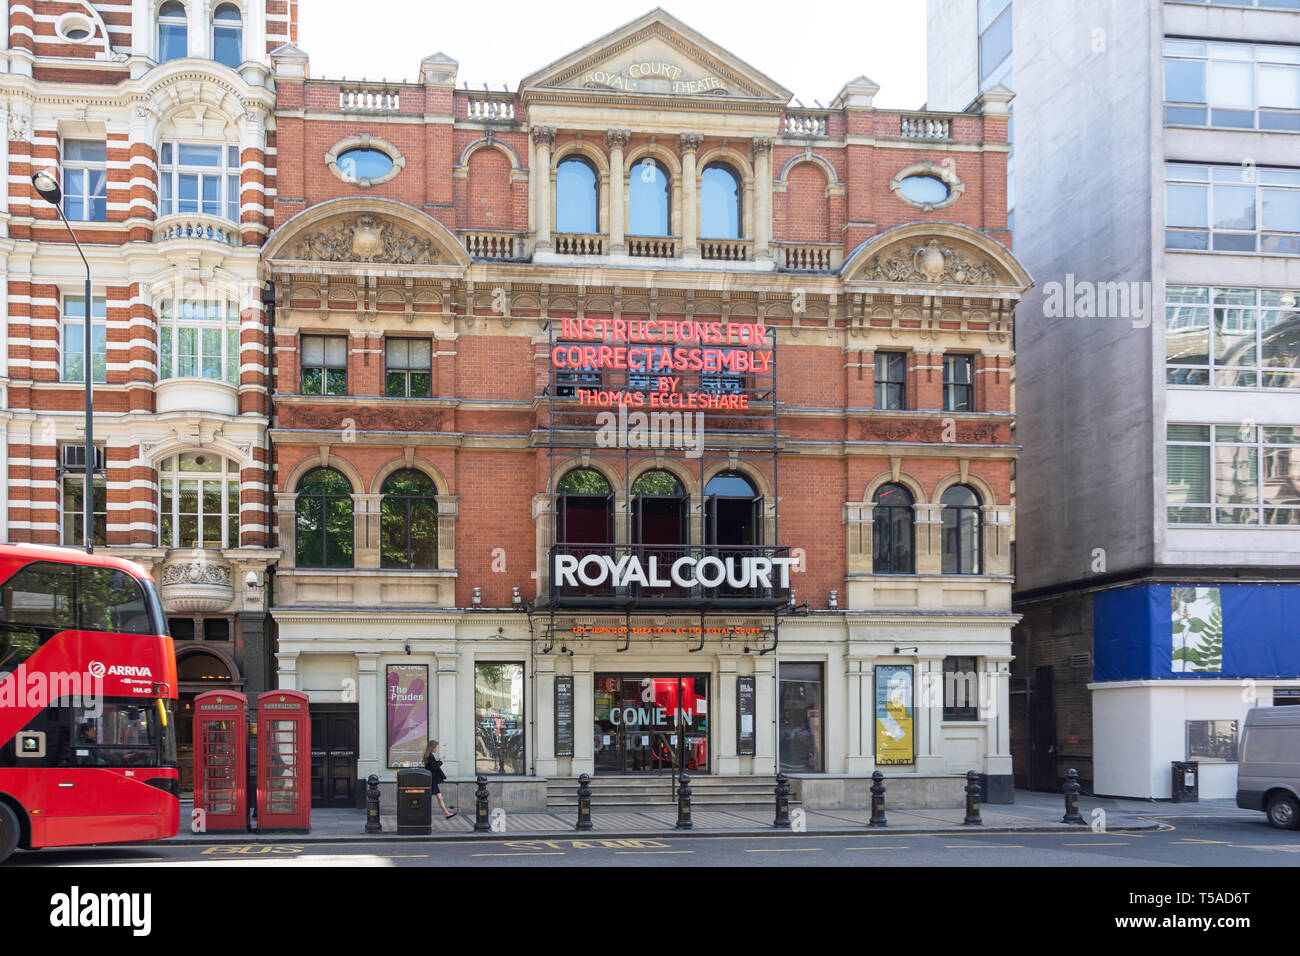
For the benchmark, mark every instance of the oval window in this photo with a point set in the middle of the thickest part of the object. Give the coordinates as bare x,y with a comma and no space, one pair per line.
924,189
363,163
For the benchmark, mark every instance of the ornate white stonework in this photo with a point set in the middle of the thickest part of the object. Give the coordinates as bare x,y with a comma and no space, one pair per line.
197,584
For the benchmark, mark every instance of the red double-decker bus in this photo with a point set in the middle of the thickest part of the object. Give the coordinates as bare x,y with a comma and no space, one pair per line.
87,681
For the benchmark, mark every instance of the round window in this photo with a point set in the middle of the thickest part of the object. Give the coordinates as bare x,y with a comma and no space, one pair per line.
365,163
74,27
924,189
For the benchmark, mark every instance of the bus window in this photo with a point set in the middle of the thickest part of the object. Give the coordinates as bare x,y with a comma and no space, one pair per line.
37,604
125,734
111,600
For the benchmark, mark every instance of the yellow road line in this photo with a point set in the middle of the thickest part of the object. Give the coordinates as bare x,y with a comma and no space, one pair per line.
553,853
647,852
1097,844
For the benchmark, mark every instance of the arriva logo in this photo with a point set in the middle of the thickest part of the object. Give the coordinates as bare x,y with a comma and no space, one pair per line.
117,670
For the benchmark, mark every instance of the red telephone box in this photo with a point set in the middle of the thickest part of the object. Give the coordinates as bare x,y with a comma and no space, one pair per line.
283,761
220,761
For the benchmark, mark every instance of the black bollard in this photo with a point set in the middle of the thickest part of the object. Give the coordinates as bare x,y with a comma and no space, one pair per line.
877,800
481,824
684,803
1072,798
972,800
372,805
782,802
584,803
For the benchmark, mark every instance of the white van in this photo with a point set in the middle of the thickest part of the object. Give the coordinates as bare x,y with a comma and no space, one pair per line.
1268,768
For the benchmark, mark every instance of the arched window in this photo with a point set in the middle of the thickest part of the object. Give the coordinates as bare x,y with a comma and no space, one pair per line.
659,509
647,199
173,32
324,520
892,531
228,36
732,510
198,502
408,521
719,202
576,197
585,508
962,531
202,668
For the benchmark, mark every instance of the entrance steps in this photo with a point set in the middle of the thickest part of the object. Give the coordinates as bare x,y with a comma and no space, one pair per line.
655,792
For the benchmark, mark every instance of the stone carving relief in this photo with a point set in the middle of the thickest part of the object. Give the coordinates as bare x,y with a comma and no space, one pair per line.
367,419
974,433
20,128
196,572
365,239
932,263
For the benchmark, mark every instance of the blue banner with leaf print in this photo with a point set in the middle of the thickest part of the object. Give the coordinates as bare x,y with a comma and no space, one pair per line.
1204,630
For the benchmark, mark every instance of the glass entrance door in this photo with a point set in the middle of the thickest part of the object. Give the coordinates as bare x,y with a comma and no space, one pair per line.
653,724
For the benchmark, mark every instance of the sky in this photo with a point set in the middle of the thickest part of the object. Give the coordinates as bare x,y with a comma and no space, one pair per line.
811,47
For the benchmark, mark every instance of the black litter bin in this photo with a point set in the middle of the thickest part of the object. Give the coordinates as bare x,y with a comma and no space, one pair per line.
414,802
1186,781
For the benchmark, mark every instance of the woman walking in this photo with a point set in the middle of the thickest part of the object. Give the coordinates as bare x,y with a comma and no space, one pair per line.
434,766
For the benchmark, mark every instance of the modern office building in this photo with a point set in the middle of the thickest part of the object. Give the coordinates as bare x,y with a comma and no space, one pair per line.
156,120
1157,205
636,421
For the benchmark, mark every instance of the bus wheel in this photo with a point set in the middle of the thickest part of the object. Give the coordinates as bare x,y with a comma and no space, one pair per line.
8,832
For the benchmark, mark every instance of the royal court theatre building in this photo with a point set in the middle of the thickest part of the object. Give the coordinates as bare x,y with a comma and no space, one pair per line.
636,422
157,121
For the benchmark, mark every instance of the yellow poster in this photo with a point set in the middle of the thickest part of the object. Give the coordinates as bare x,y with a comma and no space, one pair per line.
895,743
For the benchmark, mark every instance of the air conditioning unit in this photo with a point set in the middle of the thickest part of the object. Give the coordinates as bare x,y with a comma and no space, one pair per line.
74,458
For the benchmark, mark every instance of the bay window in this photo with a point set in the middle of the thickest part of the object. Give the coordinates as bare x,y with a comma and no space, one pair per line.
199,178
198,338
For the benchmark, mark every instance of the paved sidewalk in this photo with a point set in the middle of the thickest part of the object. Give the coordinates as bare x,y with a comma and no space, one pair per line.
1032,812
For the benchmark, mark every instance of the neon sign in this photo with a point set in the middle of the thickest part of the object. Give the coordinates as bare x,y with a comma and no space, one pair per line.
650,351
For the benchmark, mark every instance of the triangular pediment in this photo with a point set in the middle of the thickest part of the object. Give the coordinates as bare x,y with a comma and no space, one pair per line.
657,54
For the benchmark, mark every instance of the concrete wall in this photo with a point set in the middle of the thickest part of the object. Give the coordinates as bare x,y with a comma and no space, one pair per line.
952,54
1084,392
1140,727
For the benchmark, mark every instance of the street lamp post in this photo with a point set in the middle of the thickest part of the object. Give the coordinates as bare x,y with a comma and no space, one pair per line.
48,188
